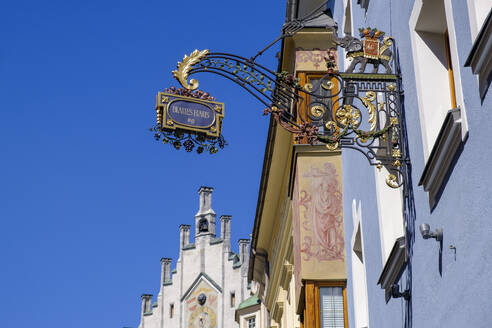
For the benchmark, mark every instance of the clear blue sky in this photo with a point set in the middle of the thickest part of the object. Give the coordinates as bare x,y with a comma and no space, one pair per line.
89,202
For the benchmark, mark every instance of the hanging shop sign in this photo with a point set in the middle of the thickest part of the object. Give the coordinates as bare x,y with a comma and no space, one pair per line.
189,119
192,115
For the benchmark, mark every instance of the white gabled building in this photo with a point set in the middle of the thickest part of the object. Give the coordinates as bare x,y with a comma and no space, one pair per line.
209,280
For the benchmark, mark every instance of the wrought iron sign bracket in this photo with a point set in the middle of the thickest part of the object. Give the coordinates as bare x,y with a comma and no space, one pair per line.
360,111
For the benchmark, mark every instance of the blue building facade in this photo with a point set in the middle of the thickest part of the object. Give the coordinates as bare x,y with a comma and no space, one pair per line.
443,49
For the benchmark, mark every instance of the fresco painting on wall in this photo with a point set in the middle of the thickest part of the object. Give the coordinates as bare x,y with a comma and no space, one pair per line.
323,220
313,60
317,214
201,307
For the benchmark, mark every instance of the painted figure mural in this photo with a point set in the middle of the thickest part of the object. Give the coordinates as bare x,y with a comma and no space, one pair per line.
323,205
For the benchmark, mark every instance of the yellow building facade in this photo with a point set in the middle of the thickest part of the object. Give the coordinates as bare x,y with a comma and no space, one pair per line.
297,262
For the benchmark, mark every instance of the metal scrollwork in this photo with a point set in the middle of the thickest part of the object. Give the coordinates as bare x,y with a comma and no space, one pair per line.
317,111
348,115
338,102
328,85
367,100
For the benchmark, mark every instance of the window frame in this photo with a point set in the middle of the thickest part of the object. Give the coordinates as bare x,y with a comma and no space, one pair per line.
416,45
449,63
477,58
359,272
247,321
347,22
446,129
476,21
313,294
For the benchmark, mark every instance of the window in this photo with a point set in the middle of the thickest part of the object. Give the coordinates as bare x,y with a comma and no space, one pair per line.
317,112
325,304
391,231
449,66
364,4
390,213
203,225
171,310
233,299
251,322
435,56
306,7
347,18
478,58
477,11
439,92
332,306
359,280
347,30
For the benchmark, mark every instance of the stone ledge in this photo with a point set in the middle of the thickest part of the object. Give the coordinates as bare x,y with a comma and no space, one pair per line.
395,264
216,241
189,246
442,155
233,257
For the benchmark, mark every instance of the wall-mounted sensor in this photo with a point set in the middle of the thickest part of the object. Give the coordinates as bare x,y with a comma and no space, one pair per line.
426,233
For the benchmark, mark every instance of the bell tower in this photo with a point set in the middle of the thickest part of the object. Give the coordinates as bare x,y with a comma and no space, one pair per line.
205,218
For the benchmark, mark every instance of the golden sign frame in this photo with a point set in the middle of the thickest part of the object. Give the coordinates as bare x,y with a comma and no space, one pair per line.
162,102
